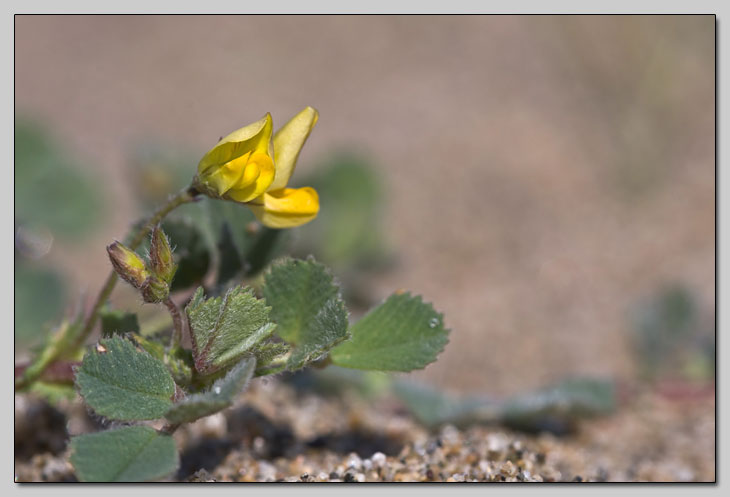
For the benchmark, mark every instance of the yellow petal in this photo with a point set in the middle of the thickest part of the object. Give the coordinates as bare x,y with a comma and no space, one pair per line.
254,137
287,207
255,180
223,178
288,141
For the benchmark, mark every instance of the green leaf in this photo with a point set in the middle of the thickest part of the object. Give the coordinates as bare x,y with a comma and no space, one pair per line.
119,381
118,322
225,329
179,361
306,306
220,396
129,454
401,334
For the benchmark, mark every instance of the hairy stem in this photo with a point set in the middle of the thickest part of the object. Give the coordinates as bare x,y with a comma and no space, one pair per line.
170,428
64,346
177,321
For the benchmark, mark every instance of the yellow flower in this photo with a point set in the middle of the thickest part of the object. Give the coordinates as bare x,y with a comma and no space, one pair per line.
252,167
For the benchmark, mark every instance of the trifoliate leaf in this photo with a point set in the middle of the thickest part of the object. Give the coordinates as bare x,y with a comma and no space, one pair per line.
221,395
118,381
226,328
129,454
401,334
307,308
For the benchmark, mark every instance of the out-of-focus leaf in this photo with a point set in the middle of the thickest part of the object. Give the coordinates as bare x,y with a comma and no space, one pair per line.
668,334
433,407
53,392
114,321
347,228
190,252
40,298
556,408
129,454
156,170
245,247
229,263
50,190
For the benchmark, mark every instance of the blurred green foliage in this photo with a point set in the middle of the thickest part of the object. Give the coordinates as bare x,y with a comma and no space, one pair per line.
40,298
156,170
347,230
555,408
669,337
50,189
54,199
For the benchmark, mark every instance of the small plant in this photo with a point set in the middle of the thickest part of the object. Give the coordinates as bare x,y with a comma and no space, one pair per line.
225,335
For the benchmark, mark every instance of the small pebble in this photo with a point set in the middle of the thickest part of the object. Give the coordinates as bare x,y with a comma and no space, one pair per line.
378,459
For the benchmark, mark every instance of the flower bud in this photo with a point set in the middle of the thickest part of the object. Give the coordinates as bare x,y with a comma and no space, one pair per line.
128,265
154,290
161,262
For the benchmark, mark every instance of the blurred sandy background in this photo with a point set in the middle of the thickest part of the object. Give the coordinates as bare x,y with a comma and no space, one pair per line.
543,173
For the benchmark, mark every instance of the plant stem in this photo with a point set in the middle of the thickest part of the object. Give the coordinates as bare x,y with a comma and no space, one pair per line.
177,321
183,197
170,428
49,355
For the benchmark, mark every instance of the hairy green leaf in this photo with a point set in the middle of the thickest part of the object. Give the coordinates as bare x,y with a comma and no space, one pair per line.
119,381
401,334
129,454
307,308
271,357
221,395
226,328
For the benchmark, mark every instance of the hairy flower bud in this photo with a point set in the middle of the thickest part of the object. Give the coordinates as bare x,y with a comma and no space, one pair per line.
161,262
154,290
128,265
